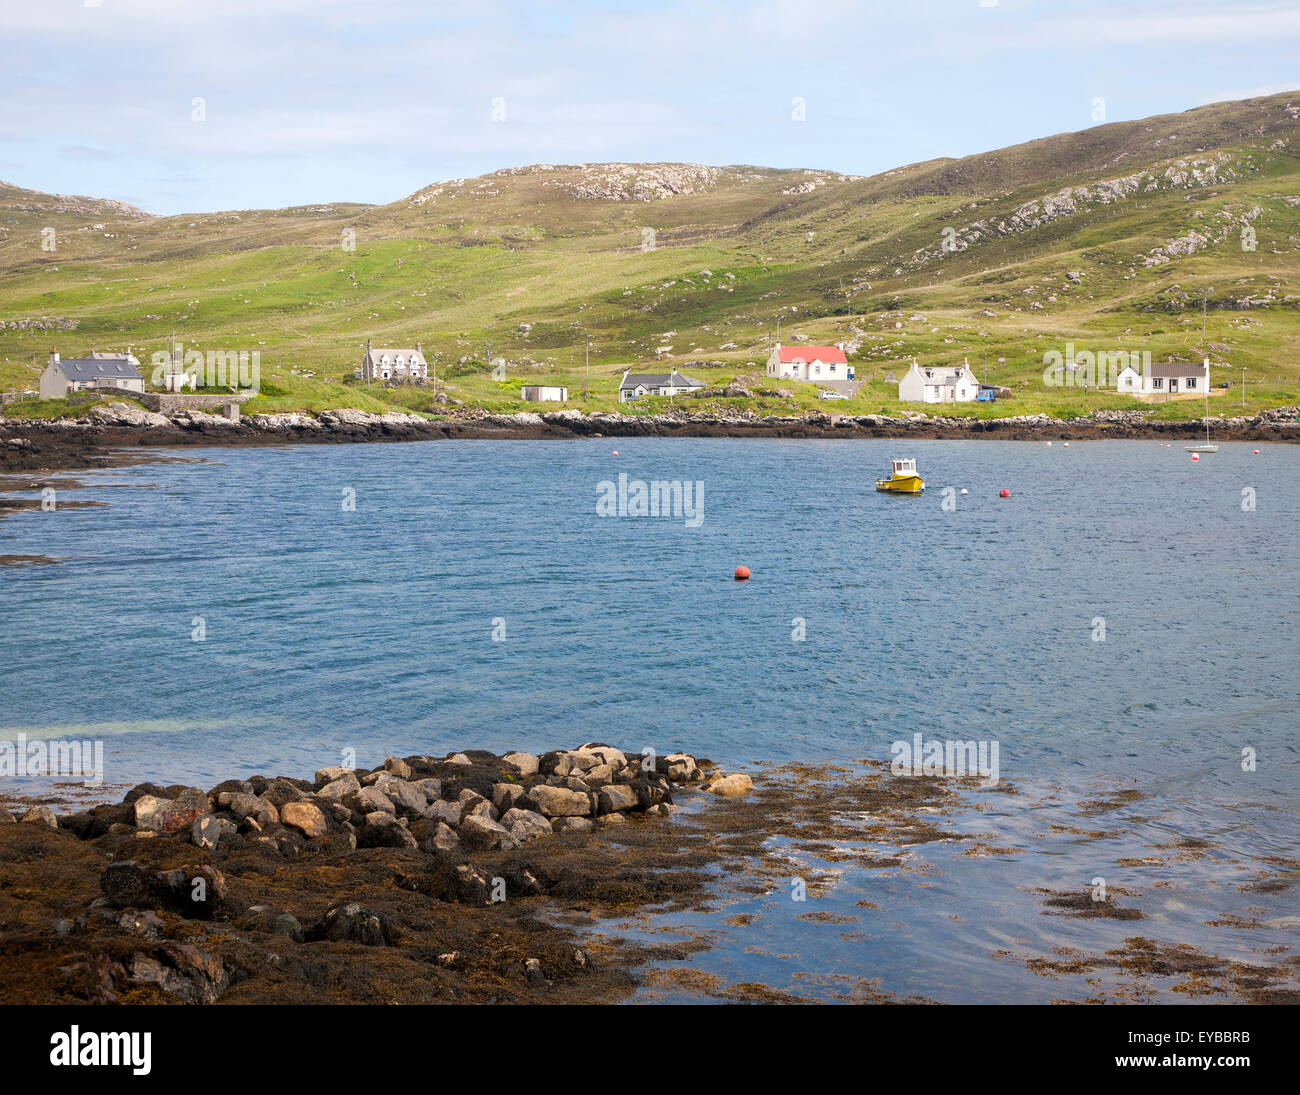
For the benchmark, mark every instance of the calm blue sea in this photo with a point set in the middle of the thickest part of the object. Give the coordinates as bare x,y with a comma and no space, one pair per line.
475,598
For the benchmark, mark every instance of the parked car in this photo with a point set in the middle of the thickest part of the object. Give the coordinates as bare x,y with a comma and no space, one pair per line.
831,393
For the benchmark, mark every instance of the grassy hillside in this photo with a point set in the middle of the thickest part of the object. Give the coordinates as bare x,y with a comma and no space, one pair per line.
1108,239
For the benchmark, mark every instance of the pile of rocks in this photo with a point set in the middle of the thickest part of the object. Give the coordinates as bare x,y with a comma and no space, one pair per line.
466,802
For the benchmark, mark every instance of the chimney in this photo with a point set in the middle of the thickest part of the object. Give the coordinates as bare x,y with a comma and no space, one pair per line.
54,356
419,348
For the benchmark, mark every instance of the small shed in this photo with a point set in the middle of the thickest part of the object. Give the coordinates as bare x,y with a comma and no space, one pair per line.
544,393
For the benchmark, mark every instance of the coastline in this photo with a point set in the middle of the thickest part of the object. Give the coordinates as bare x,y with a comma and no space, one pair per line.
106,437
598,877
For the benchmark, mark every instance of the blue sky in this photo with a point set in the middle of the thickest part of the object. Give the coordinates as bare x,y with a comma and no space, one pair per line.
308,101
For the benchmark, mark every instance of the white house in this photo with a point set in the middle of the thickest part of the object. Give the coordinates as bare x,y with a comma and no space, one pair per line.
544,393
938,384
71,374
394,364
635,385
1165,378
811,363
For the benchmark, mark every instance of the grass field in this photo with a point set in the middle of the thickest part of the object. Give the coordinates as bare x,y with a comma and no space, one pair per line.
1108,239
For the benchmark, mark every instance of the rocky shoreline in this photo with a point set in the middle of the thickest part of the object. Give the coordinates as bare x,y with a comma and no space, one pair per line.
73,443
285,888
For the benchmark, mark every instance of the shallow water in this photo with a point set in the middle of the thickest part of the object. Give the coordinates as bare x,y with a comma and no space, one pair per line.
372,630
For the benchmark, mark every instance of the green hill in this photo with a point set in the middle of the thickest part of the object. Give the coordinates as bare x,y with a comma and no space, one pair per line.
1108,238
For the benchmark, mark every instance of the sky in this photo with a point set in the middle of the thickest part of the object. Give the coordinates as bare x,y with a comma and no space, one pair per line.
187,106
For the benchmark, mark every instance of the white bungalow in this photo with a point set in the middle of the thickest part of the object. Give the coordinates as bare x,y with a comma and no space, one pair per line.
394,364
1165,378
809,363
71,374
938,384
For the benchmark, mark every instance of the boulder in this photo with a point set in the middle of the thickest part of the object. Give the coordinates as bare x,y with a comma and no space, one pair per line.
383,830
559,801
606,754
43,815
246,806
450,813
472,886
183,971
339,789
278,793
735,784
399,768
525,825
329,775
167,815
408,800
616,797
192,891
306,818
483,834
572,825
352,923
430,788
433,836
479,807
505,795
370,799
525,762
209,830
272,921
682,768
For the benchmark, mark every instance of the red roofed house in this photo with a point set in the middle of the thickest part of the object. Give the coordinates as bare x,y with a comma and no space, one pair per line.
810,363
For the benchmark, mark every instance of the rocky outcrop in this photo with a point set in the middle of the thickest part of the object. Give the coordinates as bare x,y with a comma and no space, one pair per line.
460,804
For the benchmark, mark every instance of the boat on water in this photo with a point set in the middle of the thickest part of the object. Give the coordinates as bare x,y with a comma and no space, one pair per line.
902,478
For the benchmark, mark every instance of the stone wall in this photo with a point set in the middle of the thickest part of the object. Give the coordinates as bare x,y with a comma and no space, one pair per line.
171,402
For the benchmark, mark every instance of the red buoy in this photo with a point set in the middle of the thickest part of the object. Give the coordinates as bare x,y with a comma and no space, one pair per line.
742,574
616,452
1257,452
1195,457
1004,493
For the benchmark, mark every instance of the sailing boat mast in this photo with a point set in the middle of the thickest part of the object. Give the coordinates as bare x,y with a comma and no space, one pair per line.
1205,361
1205,352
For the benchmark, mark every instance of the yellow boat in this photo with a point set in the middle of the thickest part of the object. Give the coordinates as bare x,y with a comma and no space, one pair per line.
903,479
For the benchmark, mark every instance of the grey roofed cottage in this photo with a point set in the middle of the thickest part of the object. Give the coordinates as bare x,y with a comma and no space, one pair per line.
70,374
393,363
634,385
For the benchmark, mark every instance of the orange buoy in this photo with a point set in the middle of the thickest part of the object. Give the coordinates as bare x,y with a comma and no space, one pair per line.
742,574
1004,493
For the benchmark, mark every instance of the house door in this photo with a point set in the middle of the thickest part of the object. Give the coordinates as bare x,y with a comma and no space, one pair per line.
1173,385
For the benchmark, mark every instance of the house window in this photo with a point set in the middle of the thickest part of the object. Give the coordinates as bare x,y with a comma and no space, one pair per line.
1157,382
1191,382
